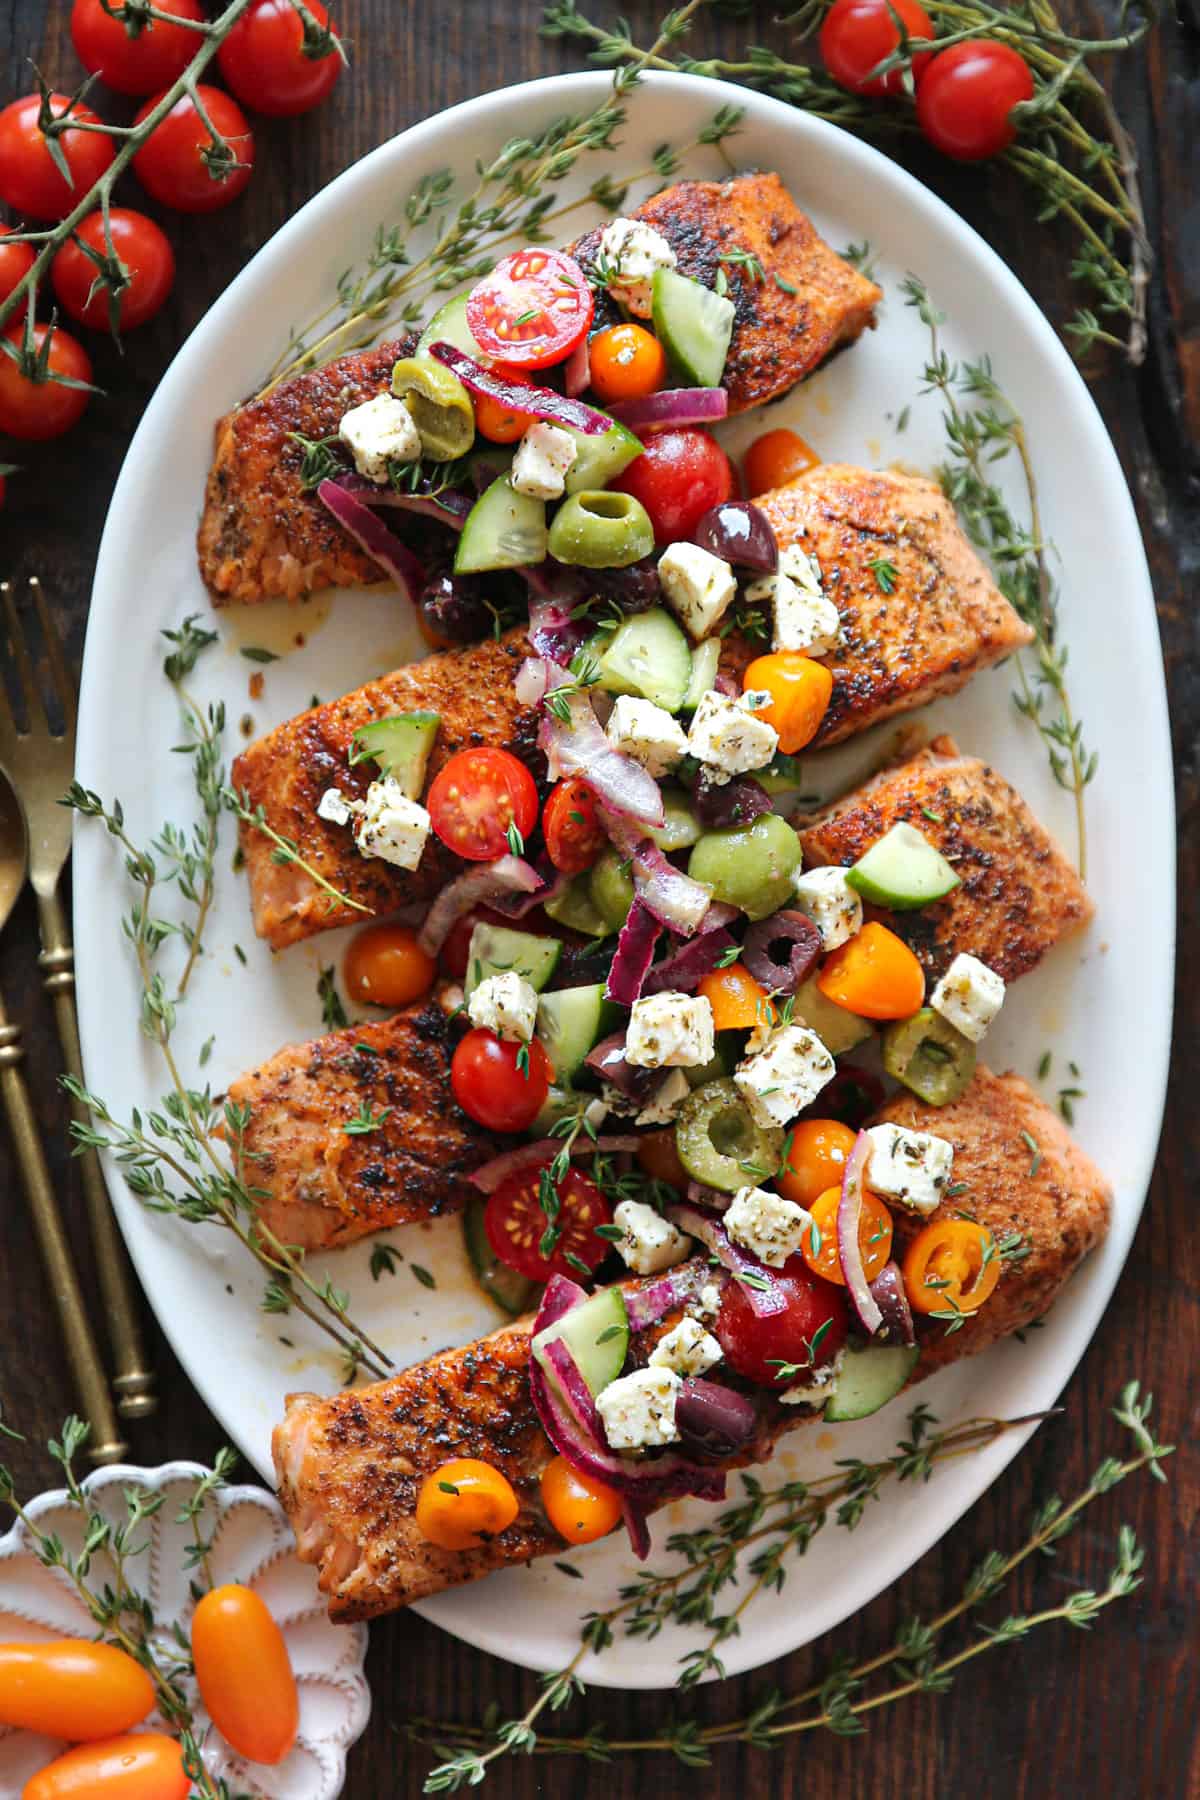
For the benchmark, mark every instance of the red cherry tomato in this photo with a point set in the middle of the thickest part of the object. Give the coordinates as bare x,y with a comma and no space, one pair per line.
150,60
476,799
146,254
29,180
573,836
678,476
3,487
756,1347
147,1765
856,35
495,1084
16,260
532,309
43,409
265,62
966,97
516,1224
244,1673
172,164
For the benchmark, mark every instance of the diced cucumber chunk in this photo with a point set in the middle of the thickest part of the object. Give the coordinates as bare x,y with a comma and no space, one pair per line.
694,326
680,827
599,457
511,1292
449,326
560,1103
903,870
569,1022
868,1379
647,654
597,1335
576,909
837,1029
497,949
781,776
706,658
503,530
400,745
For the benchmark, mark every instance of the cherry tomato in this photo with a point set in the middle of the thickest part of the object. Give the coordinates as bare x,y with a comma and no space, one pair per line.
43,409
738,1001
244,1673
3,489
146,254
875,975
952,1266
16,260
573,836
627,361
800,689
678,476
477,797
173,164
820,1249
966,97
464,1503
72,1689
453,955
516,1223
776,458
494,421
266,64
856,35
757,1347
145,1766
816,1159
658,1154
386,966
495,1084
153,58
29,180
580,1508
532,309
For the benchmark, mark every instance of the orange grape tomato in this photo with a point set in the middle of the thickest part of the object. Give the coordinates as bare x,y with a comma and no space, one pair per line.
815,1159
658,1156
579,1508
776,458
952,1266
875,975
626,362
386,966
244,1673
464,1503
145,1766
738,1001
72,1690
494,421
820,1248
800,690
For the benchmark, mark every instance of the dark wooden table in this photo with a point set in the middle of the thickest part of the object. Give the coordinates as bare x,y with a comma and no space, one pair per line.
1066,1714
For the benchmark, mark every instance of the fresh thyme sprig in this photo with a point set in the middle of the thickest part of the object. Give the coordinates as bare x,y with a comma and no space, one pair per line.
284,851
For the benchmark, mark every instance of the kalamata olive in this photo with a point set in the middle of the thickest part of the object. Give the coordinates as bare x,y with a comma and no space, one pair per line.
633,589
887,1290
736,802
714,1419
453,608
851,1097
741,534
607,1060
782,951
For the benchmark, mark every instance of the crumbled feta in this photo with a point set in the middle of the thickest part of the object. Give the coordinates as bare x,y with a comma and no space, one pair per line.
391,826
667,1100
378,432
786,1076
646,732
969,996
697,585
766,1224
826,897
804,618
707,1303
505,1004
544,455
630,251
334,807
818,1388
687,1348
912,1167
638,1410
670,1031
648,1242
727,737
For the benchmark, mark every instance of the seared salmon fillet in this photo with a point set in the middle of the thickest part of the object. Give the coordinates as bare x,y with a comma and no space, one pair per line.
349,1467
1018,896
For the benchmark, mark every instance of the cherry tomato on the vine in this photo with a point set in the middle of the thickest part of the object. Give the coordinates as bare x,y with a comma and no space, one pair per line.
244,1673
494,421
573,836
43,409
16,260
532,309
580,1508
30,181
146,1765
856,36
477,797
678,476
386,966
178,165
758,1347
266,63
499,1084
626,362
144,250
72,1689
142,63
966,97
776,458
516,1223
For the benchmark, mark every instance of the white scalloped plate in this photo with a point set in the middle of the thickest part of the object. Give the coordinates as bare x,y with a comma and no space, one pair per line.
1103,1000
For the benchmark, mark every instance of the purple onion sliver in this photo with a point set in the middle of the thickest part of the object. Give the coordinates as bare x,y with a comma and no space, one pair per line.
646,1306
577,370
508,874
671,408
373,536
673,897
633,955
712,1199
684,969
578,1394
766,1298
887,1290
488,1177
560,1296
607,1059
862,1302
538,403
577,746
639,1531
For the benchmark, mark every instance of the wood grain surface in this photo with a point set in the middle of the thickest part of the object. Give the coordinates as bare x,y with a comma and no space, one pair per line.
1111,1712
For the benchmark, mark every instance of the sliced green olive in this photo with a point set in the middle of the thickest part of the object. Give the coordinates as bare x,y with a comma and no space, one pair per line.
749,866
680,827
610,885
720,1144
929,1056
440,406
601,530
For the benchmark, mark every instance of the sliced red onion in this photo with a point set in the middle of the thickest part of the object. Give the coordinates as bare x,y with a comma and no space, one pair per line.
712,1419
575,1390
672,407
489,1176
538,403
560,1296
888,1292
634,1519
673,897
633,956
373,536
712,1199
607,1059
577,746
450,505
487,881
533,679
740,533
761,1289
684,969
553,633
849,1212
788,930
515,906
577,370
646,1306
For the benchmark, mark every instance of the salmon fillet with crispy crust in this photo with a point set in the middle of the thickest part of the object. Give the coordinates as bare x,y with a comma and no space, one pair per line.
349,1468
1018,896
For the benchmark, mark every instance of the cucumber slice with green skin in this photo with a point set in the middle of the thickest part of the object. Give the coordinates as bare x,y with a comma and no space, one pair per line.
449,326
782,776
569,1022
903,870
680,827
400,745
599,458
576,909
597,1335
693,325
560,1103
706,658
503,530
512,1293
837,1029
868,1379
648,655
497,949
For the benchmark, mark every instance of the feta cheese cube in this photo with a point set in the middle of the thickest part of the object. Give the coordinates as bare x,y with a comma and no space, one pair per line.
630,251
912,1167
805,619
334,807
670,1031
766,1224
391,826
638,1410
646,732
826,897
378,432
648,1242
698,586
666,1102
505,1004
544,455
816,1390
727,738
969,996
785,1076
707,1303
688,1349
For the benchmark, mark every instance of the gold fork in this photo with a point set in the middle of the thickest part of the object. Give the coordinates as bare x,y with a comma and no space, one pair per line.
41,763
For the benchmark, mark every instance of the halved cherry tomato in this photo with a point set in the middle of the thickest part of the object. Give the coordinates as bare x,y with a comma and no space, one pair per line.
856,36
144,250
820,1252
72,1689
816,1158
579,1507
267,63
658,1154
952,1266
776,458
516,1223
800,690
494,421
477,797
738,1001
144,1766
386,966
532,309
573,836
501,1085
30,180
135,62
966,97
678,476
875,975
757,1347
244,1673
176,163
626,362
43,409
464,1503
16,260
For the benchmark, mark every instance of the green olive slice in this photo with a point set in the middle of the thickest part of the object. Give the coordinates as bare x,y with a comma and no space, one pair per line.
440,406
928,1056
720,1144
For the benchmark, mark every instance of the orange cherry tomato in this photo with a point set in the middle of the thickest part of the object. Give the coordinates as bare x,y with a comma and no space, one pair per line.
875,975
816,1158
626,362
71,1689
820,1248
244,1673
776,458
579,1508
386,966
494,421
658,1156
952,1266
145,1766
738,1001
464,1503
800,690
